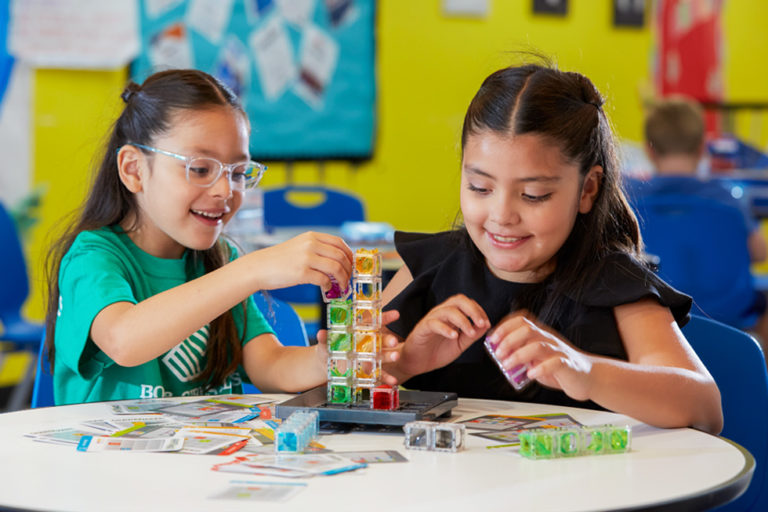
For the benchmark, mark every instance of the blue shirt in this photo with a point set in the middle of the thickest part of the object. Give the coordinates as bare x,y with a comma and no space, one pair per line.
690,186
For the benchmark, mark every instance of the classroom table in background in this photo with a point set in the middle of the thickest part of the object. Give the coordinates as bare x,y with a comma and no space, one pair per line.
666,469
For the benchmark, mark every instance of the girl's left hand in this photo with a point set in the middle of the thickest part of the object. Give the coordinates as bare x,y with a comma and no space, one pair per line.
552,361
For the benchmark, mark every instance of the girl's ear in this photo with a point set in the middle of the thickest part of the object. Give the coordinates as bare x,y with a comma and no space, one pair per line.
129,165
589,188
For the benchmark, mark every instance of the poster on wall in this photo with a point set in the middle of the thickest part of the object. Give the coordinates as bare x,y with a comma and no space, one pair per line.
304,69
73,34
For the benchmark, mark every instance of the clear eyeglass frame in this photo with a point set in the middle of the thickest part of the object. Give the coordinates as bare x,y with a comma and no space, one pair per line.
251,174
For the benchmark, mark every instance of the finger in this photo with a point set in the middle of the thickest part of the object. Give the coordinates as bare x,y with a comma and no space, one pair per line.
390,341
322,336
503,328
444,329
546,370
333,263
339,244
513,342
458,319
471,309
387,317
528,354
388,379
390,356
317,278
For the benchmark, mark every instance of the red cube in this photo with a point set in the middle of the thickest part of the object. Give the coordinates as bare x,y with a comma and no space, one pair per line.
385,398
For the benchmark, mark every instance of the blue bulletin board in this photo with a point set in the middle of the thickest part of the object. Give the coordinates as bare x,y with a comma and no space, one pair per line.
304,69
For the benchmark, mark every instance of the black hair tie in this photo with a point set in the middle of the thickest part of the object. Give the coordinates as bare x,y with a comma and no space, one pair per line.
131,90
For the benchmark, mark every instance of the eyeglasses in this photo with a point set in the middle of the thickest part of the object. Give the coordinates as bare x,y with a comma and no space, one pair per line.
204,171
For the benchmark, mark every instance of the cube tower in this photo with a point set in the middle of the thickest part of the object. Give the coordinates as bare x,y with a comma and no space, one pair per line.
354,337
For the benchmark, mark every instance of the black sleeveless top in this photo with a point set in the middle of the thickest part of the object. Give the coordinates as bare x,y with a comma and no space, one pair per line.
448,263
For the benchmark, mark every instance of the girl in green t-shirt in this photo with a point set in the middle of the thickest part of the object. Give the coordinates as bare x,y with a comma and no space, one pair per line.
144,267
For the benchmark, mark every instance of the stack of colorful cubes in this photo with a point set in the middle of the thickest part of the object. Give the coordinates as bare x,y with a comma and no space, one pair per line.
354,337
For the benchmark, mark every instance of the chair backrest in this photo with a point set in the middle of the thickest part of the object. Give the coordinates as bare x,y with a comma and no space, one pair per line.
42,393
736,362
327,207
15,282
283,319
702,246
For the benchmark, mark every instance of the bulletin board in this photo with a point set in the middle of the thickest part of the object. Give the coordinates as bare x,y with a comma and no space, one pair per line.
304,69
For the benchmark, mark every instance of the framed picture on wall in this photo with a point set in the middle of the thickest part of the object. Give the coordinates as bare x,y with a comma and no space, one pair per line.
629,13
304,69
557,7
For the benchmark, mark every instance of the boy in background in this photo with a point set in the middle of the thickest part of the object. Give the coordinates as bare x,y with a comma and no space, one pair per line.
675,144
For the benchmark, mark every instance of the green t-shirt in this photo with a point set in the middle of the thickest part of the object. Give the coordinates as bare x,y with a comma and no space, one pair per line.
103,267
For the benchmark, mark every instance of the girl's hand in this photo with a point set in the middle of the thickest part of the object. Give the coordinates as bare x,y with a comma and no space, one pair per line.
552,361
307,258
441,336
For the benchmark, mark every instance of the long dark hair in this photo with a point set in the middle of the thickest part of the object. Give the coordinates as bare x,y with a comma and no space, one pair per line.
566,109
148,110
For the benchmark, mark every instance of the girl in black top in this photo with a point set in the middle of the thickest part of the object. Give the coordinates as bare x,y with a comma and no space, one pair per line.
547,266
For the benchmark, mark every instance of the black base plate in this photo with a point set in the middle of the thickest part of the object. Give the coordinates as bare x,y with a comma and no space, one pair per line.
414,406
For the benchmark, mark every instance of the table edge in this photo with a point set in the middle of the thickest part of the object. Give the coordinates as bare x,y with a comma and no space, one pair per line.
707,499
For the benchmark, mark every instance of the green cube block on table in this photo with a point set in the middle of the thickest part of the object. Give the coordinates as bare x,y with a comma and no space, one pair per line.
594,440
542,443
618,439
568,443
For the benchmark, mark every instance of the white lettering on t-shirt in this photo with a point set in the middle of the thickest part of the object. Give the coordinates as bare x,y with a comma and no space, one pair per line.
150,391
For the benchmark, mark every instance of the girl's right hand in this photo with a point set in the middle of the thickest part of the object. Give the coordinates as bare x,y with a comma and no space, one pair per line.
307,258
441,336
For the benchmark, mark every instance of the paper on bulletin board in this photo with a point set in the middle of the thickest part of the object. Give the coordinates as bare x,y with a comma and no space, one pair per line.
303,69
74,33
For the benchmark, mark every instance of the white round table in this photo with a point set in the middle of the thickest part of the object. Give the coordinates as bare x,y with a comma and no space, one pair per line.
676,469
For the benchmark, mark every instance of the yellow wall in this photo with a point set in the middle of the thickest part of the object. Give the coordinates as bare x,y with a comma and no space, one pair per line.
429,66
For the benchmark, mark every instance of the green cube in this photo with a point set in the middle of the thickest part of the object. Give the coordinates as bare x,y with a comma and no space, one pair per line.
339,341
339,393
618,439
568,443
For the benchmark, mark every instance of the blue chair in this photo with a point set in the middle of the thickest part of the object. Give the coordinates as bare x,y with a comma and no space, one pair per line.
287,325
296,205
736,362
702,247
14,288
42,393
311,207
281,317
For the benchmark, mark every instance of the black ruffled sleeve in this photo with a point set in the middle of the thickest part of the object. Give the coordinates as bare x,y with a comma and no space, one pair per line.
423,254
622,279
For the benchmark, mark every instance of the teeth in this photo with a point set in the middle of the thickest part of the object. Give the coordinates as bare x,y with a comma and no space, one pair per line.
505,239
209,215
